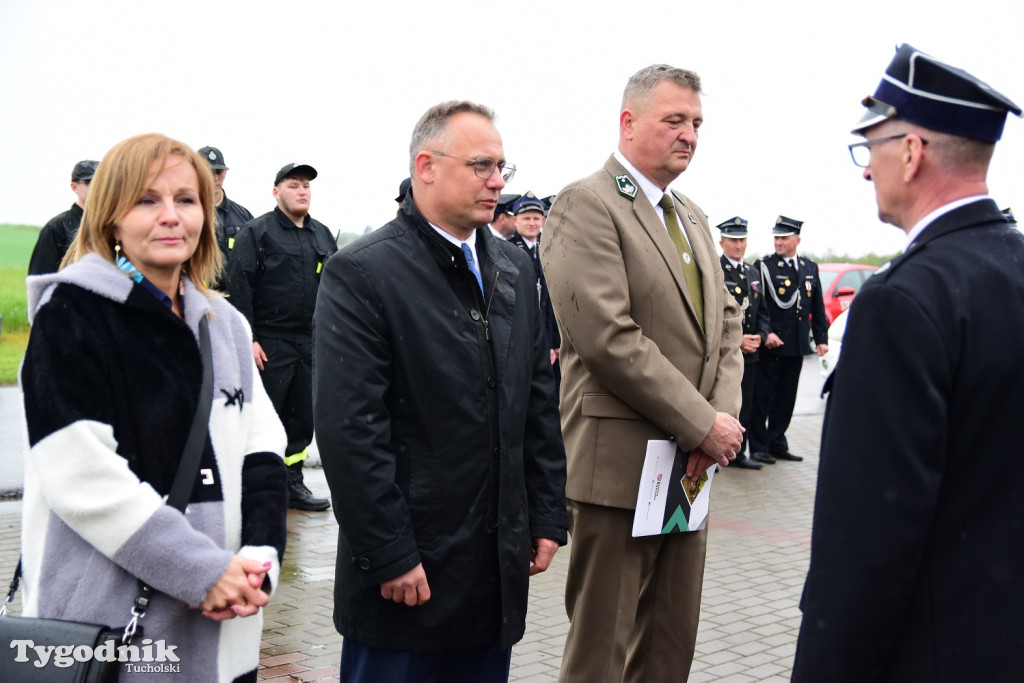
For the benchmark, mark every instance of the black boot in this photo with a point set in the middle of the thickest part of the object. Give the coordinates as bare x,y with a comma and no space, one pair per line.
300,497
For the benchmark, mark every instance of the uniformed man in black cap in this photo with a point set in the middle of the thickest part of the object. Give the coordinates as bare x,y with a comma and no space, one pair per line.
916,560
231,216
792,294
504,225
55,237
744,283
274,277
529,213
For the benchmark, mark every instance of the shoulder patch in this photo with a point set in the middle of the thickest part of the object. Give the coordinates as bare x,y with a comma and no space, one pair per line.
626,186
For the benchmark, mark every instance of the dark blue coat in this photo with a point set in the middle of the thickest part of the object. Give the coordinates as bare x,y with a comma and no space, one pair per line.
917,564
794,325
744,284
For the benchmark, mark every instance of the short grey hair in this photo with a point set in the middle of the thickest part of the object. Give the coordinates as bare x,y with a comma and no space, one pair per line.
642,83
432,128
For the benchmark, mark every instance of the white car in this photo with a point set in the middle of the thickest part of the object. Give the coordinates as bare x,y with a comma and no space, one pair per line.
835,344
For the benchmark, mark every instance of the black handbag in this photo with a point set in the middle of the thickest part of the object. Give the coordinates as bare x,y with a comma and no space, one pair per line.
89,653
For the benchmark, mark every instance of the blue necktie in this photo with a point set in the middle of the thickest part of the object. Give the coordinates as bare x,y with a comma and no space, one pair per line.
472,266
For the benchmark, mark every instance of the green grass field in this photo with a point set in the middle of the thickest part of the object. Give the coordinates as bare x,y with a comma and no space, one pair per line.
16,243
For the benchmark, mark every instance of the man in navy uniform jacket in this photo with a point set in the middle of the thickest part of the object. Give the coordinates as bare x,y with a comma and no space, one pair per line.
796,309
917,564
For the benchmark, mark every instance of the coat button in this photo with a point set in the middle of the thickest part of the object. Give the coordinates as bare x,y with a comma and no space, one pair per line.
492,382
474,314
364,563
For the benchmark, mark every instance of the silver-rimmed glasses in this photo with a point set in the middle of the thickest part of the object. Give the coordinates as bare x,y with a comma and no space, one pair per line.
860,152
484,167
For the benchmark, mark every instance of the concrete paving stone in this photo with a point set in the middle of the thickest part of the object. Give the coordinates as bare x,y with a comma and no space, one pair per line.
283,659
524,657
534,678
768,671
701,677
281,670
526,671
729,670
716,658
770,629
762,620
549,622
712,646
740,638
324,661
756,610
276,650
327,673
738,626
753,652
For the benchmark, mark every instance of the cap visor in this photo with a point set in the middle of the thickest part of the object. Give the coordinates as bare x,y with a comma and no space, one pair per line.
877,111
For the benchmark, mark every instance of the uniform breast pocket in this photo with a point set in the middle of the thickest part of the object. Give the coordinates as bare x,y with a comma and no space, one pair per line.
280,263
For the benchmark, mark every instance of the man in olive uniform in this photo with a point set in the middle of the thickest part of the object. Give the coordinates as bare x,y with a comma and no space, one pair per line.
231,216
55,237
744,283
274,275
792,294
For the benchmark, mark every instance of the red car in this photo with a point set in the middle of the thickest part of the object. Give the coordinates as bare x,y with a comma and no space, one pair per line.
840,282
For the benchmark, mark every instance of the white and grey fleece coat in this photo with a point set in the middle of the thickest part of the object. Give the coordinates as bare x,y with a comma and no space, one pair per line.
111,381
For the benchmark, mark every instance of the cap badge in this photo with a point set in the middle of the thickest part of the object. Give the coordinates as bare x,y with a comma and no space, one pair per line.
212,156
626,186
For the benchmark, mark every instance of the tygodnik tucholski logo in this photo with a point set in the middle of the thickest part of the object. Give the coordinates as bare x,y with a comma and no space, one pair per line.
151,657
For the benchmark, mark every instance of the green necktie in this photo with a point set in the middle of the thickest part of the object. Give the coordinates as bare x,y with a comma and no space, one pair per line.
690,270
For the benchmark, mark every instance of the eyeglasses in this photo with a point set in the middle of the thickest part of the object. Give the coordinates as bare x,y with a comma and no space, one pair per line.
860,152
484,168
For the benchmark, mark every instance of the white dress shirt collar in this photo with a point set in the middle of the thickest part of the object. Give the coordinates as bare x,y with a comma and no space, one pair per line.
936,214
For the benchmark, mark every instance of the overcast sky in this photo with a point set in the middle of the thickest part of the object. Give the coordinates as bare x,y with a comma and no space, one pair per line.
339,85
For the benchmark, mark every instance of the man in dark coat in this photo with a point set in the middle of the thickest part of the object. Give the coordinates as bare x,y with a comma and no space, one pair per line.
436,421
916,560
56,236
792,296
744,284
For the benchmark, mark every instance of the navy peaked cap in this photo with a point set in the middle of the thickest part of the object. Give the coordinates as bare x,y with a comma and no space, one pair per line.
786,226
920,89
735,227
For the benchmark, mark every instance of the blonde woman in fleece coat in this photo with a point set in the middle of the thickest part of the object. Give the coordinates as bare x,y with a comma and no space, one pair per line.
111,382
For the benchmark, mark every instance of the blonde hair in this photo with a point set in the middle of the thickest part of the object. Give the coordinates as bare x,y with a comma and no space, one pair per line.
119,183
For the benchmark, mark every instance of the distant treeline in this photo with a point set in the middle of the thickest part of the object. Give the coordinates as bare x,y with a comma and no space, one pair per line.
871,259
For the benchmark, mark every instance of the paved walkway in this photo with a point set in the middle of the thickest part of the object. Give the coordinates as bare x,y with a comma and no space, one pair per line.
758,552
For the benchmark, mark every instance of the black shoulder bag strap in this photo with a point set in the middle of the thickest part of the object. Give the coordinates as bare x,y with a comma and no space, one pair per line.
184,479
